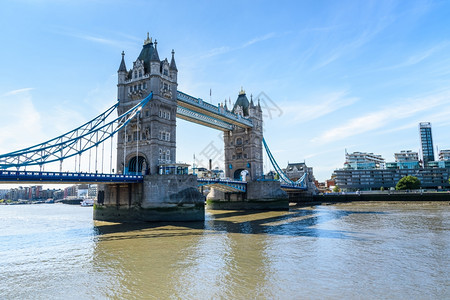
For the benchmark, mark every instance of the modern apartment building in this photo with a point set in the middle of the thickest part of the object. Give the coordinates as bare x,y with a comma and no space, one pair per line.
426,140
352,177
363,160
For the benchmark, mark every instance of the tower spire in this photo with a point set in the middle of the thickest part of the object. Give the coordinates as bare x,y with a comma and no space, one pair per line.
173,66
123,67
148,40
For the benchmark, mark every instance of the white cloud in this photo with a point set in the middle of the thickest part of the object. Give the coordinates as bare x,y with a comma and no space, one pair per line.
258,39
317,106
226,49
21,126
15,92
117,43
378,119
337,51
419,57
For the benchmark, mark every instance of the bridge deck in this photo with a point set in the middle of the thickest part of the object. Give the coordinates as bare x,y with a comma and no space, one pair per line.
65,177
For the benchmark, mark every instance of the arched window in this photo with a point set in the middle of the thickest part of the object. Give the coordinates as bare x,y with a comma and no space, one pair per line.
238,141
168,155
135,74
140,73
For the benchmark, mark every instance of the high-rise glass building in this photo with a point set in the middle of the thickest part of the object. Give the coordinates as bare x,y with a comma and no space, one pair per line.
426,140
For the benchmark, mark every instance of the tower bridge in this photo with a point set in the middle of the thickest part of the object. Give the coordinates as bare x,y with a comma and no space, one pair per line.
148,184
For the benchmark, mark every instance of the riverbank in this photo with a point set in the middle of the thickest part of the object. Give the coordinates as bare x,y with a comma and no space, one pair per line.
370,197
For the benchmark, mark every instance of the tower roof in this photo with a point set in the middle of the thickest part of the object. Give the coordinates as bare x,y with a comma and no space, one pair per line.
148,53
243,102
123,67
173,66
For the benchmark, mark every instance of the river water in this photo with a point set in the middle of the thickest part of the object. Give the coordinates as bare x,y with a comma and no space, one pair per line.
348,251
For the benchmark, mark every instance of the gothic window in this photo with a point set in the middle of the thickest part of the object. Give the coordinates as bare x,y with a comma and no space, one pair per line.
238,141
166,86
165,72
145,85
168,155
168,115
160,113
239,156
135,74
160,154
167,136
140,73
245,155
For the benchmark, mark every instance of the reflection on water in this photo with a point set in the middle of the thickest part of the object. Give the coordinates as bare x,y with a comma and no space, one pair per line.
364,250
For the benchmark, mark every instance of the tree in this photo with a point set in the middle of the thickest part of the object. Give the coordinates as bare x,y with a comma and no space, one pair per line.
408,183
336,189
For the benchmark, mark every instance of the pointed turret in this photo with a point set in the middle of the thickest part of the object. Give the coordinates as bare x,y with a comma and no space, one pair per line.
173,66
251,101
122,67
155,56
148,54
241,104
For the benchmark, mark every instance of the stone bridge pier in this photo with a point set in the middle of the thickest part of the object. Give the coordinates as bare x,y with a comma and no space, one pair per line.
158,198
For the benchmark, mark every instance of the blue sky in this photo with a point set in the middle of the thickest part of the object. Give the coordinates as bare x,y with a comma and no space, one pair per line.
355,75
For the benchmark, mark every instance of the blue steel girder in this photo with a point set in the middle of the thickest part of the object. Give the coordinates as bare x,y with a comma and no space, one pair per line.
66,177
73,143
215,112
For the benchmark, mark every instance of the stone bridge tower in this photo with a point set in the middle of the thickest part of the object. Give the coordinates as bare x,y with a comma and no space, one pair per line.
150,140
243,147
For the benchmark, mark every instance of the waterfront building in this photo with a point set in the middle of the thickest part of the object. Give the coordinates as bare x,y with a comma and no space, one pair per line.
374,179
363,160
92,190
426,140
405,159
3,193
444,155
366,171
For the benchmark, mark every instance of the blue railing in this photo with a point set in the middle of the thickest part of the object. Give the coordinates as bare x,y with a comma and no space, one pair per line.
66,177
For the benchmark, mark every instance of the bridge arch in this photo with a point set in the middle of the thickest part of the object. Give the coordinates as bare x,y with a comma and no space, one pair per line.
138,165
241,174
